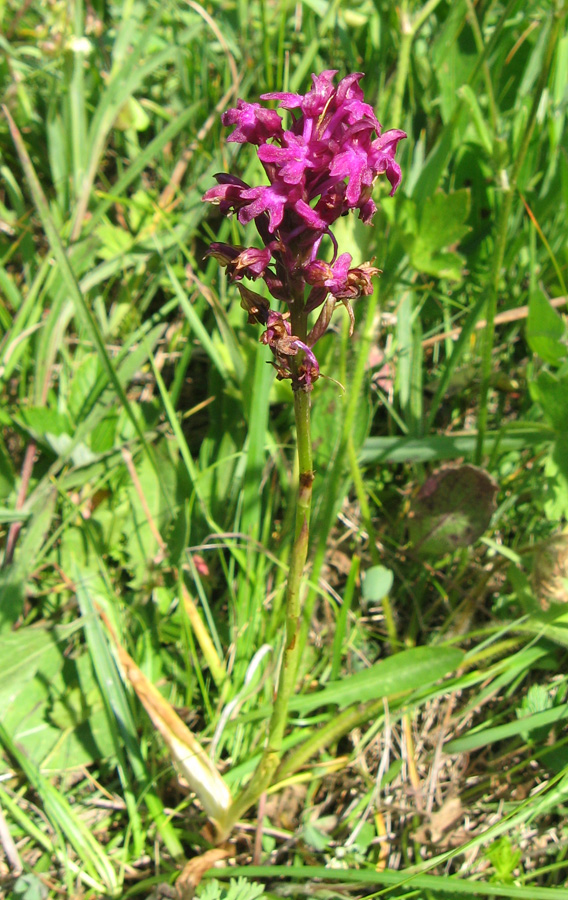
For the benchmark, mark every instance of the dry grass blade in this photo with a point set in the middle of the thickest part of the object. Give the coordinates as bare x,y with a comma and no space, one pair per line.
187,753
510,315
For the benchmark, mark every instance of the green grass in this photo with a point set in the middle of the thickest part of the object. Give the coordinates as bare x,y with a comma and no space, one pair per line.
146,451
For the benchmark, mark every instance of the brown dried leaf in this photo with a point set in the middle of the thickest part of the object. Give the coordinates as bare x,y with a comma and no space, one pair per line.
195,869
187,753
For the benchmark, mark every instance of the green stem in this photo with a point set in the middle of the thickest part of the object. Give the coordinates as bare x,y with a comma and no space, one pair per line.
501,244
409,29
338,468
480,45
268,62
344,722
272,754
407,36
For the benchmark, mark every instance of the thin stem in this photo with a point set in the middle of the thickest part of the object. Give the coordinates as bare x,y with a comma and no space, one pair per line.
337,471
15,527
407,36
480,45
266,46
344,722
501,244
409,29
270,759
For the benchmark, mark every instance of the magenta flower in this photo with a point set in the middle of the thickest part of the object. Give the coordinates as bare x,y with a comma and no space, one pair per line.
319,169
255,124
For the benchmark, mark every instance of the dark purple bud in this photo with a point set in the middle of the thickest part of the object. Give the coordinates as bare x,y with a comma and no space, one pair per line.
323,320
227,194
225,253
316,297
252,262
257,307
241,262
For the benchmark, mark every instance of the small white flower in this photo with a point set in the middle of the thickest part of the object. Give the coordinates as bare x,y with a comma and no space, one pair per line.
80,45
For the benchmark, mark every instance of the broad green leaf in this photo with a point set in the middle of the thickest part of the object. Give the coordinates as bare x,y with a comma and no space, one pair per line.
560,454
443,219
546,331
48,712
82,384
556,473
53,734
551,392
12,515
42,422
377,582
7,480
29,887
523,727
441,265
451,62
149,496
409,670
21,654
115,241
466,93
40,510
435,165
12,593
415,883
452,509
441,225
132,115
436,447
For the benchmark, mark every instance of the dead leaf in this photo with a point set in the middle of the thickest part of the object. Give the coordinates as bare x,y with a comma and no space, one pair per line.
440,822
195,869
188,755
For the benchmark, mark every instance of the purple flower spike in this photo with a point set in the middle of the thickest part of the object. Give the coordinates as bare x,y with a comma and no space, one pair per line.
319,169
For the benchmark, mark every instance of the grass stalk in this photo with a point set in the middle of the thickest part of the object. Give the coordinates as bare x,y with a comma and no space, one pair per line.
409,29
503,221
336,474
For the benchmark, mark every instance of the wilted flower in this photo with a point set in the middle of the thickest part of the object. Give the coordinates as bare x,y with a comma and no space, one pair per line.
319,169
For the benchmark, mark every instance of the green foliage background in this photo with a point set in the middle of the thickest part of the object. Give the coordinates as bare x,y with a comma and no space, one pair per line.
145,444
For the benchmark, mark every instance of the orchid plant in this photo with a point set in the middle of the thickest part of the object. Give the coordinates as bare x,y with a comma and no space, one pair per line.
320,168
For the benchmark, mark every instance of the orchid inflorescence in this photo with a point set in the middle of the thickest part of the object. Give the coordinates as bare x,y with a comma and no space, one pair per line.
318,170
